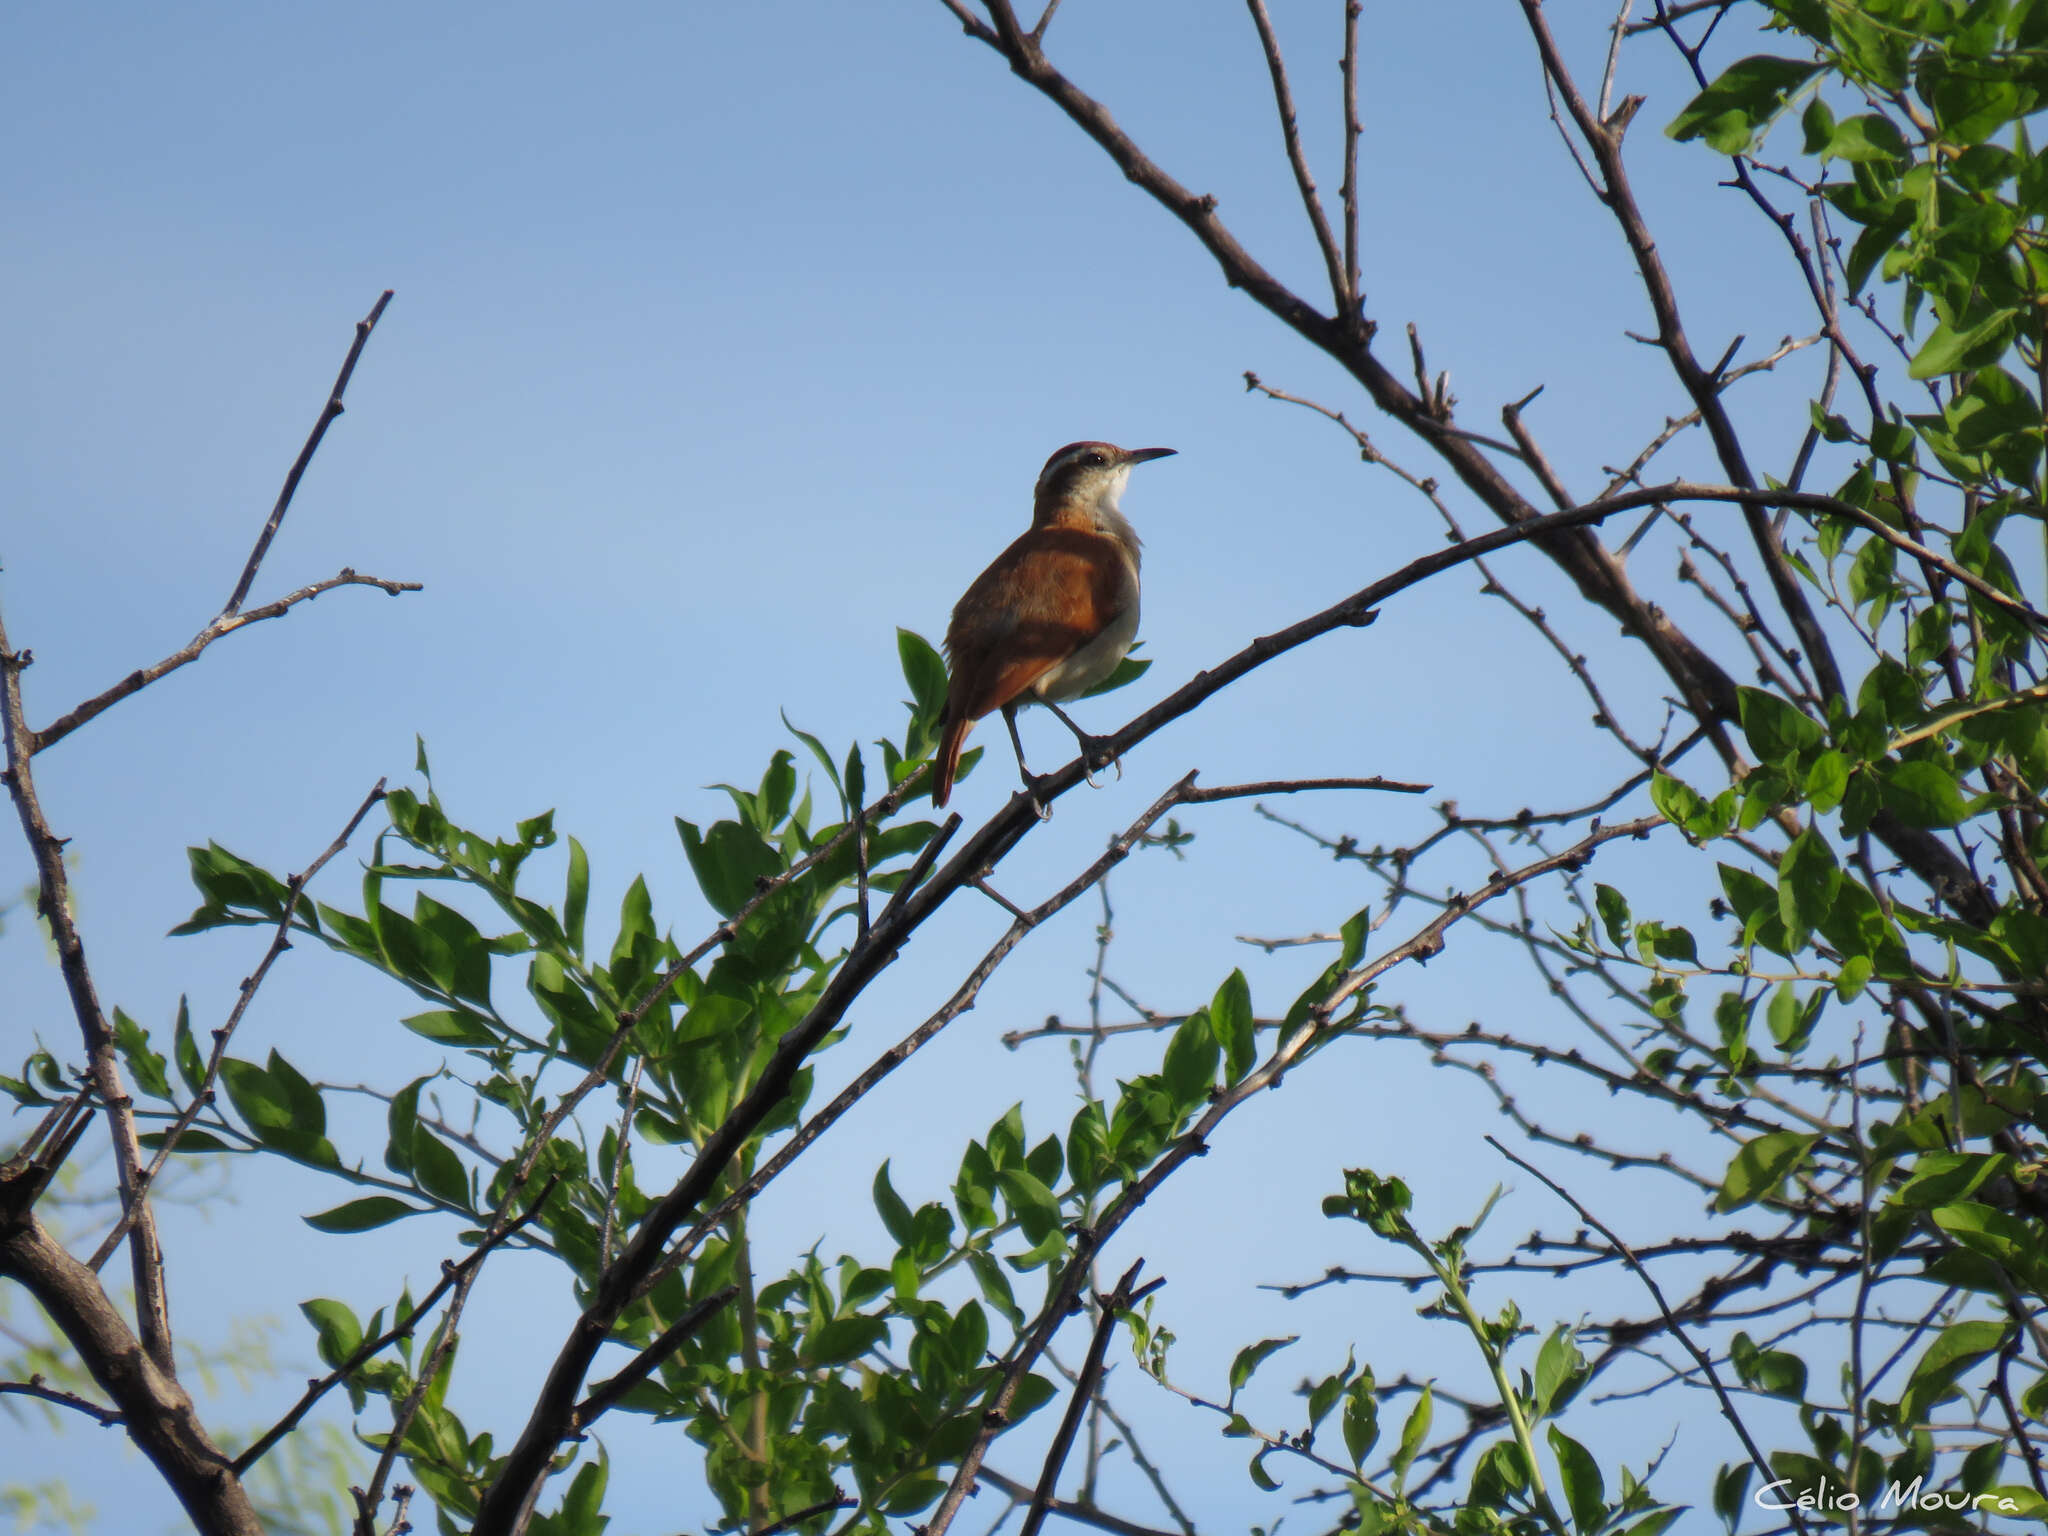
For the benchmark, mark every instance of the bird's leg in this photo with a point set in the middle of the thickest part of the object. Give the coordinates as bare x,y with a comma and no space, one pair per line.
1095,750
1031,780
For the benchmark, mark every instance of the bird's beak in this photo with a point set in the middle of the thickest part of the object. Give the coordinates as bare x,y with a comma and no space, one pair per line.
1146,455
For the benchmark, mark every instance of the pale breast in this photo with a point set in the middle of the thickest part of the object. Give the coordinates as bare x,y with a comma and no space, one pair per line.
1092,663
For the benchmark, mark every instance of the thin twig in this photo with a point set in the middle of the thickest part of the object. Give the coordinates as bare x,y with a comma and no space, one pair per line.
611,1197
1300,786
1348,193
1117,1301
401,1328
40,1389
1704,1361
53,902
607,1393
226,624
202,1095
838,1500
328,412
1334,262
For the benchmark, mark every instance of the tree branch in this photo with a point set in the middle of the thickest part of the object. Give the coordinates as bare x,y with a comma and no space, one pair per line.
202,1095
154,1409
1119,1300
1704,1361
225,624
328,412
53,901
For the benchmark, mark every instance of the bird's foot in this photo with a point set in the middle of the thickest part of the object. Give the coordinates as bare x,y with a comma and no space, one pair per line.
1041,803
1098,753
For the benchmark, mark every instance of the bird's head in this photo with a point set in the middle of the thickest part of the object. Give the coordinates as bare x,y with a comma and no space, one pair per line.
1088,477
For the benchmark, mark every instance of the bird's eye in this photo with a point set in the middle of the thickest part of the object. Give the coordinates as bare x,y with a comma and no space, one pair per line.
1097,460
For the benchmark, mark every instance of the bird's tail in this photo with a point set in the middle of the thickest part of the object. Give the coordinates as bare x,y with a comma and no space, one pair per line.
952,736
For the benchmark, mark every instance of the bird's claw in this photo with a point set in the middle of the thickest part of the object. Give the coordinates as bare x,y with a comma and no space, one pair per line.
1034,786
1097,754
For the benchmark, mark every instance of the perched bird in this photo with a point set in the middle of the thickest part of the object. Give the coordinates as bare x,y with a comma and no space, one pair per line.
1054,614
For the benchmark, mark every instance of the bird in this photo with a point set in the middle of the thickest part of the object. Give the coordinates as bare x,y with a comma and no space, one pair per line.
1053,614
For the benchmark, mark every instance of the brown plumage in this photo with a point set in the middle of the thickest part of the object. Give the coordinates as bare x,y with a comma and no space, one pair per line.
1055,612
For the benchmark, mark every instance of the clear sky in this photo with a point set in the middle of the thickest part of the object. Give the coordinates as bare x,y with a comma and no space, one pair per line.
726,340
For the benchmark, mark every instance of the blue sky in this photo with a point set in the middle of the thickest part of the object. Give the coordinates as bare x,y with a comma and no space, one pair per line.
726,340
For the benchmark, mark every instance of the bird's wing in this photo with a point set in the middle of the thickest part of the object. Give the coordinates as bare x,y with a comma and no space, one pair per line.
1045,597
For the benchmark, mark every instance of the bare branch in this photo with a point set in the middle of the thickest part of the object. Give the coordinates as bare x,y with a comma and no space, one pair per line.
203,1095
1604,138
1355,315
1704,1361
401,1328
227,624
53,901
156,1412
1075,1510
41,1390
328,412
1334,262
607,1394
1119,1300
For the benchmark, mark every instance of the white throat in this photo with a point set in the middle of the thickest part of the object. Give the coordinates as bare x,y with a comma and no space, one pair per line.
1106,511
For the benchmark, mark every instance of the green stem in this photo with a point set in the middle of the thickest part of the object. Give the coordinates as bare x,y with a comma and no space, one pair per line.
1496,1364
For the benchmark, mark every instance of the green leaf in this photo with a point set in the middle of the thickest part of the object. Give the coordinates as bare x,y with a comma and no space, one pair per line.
1260,1475
362,1215
256,1098
1808,878
1230,1021
1956,348
1747,98
185,1049
230,881
1937,1178
1790,1022
1037,1211
890,1206
1614,915
1584,1488
1773,1371
340,1335
1817,122
1827,780
2006,1240
1854,977
308,1113
995,1286
437,1170
1955,1349
1413,1433
1729,1487
1777,731
1190,1065
2013,1501
452,1026
1251,1357
1922,793
132,1040
1865,139
576,898
1682,805
1560,1371
728,861
1761,1166
580,1513
842,1340
925,671
1361,1420
192,1143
